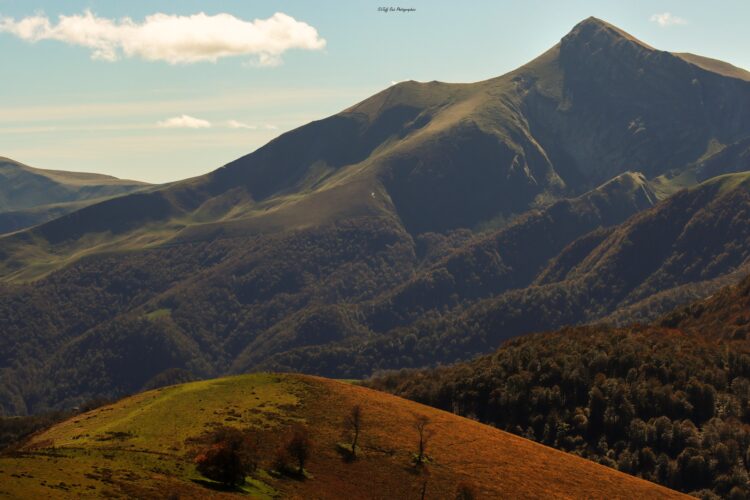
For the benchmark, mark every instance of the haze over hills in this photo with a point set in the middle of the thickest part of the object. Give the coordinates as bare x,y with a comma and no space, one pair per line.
29,196
424,224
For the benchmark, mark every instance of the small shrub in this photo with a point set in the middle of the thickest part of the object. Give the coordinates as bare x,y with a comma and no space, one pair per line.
229,457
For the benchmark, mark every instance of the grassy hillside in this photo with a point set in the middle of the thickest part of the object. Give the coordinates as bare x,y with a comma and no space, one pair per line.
26,187
30,196
142,446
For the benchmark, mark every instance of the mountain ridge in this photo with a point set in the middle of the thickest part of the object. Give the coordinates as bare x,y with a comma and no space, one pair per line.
423,148
422,225
651,263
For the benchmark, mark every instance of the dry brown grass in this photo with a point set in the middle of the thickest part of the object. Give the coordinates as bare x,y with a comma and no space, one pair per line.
498,464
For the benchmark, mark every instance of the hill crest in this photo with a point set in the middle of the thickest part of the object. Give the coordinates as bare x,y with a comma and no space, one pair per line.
156,427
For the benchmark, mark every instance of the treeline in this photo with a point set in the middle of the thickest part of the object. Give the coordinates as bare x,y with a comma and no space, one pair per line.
664,406
15,430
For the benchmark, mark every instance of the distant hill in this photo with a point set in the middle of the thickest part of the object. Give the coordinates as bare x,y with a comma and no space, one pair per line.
143,446
666,402
30,196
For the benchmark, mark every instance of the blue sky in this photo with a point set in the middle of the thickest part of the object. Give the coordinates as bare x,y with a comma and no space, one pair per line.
126,100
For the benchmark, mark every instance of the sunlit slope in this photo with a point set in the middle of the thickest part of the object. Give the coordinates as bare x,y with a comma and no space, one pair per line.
138,447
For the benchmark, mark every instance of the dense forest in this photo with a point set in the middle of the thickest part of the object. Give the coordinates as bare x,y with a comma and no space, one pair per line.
679,251
666,402
108,324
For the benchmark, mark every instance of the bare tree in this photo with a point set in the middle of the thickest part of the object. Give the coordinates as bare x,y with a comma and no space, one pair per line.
421,424
353,424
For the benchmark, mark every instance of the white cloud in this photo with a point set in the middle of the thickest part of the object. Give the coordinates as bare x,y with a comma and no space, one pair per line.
184,121
236,124
187,121
666,19
174,39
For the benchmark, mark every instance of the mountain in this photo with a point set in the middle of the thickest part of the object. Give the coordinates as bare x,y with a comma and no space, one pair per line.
85,324
422,225
485,266
436,156
666,401
683,248
143,447
30,196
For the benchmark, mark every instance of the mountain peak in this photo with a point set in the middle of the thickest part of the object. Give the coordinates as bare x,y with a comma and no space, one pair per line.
591,20
595,30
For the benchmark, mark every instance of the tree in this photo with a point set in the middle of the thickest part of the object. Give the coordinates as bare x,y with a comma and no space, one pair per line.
230,456
299,447
353,425
421,423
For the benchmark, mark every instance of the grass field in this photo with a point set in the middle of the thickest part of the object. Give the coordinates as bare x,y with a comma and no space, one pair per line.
140,447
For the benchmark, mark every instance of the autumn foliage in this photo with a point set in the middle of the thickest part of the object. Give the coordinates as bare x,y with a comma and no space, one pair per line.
230,456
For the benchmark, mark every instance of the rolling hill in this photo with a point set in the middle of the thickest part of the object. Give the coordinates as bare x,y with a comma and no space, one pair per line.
422,225
143,446
30,196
